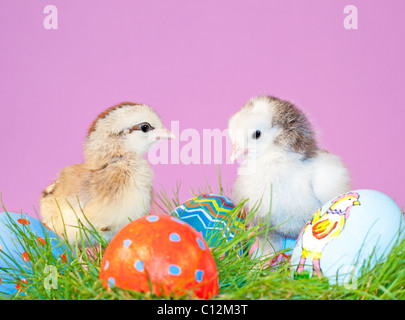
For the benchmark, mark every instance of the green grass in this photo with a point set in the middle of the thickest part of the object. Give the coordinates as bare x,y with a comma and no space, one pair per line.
240,276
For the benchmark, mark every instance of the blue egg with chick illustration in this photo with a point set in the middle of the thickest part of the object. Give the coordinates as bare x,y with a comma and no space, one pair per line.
350,234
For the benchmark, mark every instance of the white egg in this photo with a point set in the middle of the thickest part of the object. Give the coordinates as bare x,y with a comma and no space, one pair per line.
349,231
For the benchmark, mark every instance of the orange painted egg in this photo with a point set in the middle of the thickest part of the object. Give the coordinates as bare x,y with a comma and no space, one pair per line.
162,254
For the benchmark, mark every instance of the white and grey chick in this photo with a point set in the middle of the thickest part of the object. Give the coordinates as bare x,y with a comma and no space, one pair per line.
284,175
114,184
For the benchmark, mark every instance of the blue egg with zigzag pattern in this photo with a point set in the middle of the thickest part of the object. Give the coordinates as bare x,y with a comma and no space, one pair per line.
213,216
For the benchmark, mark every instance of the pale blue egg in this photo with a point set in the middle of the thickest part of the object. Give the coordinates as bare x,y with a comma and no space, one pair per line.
349,231
22,239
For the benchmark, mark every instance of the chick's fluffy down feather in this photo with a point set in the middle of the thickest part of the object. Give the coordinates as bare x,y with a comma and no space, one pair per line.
114,184
285,177
107,198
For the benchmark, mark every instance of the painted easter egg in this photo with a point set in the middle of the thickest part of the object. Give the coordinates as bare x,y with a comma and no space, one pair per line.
211,215
349,231
24,240
163,252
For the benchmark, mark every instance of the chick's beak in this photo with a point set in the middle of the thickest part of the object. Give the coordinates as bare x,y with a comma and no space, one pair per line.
356,203
161,134
237,152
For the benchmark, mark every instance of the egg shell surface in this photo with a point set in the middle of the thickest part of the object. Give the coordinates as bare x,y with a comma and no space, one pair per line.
164,249
211,215
344,237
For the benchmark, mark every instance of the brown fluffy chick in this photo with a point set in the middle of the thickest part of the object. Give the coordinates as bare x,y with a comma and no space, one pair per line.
114,184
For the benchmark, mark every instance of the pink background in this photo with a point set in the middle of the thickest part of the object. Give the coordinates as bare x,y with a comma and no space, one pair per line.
198,62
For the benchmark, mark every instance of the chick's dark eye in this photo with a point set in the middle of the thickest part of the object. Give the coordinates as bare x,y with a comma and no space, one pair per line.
257,134
145,127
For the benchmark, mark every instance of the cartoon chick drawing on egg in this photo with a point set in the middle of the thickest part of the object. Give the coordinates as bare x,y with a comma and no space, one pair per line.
323,228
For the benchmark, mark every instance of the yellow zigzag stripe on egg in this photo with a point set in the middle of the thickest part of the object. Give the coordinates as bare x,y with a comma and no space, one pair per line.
208,202
212,208
210,205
